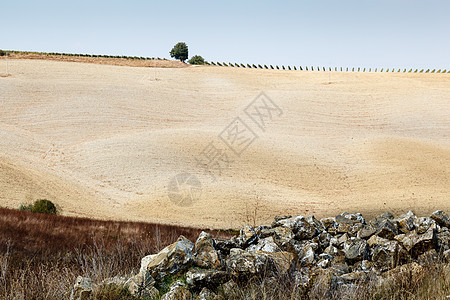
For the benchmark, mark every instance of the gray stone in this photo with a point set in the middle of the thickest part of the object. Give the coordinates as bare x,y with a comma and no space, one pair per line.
386,229
209,278
267,245
424,223
388,255
350,219
406,222
178,291
172,260
142,286
247,263
356,249
418,243
307,256
205,256
366,232
441,218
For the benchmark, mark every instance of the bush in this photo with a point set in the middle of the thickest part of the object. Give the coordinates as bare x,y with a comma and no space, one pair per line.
242,65
42,206
271,67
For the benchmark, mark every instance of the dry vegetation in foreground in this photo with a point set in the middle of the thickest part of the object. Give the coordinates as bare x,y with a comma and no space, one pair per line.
42,255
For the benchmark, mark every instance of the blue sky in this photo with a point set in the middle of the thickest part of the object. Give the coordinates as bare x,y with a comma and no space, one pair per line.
358,33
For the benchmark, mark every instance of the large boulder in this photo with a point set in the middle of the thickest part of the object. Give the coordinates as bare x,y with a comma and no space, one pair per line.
283,237
356,249
386,229
199,278
365,232
245,264
406,222
418,243
267,245
388,255
172,260
142,286
205,255
241,263
307,255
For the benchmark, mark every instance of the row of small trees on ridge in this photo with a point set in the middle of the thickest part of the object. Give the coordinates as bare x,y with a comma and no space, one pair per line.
198,60
329,69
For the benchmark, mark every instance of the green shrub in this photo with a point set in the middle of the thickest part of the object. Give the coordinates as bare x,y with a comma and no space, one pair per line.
283,67
277,67
2,53
42,206
253,66
295,68
271,67
306,68
224,64
248,66
301,68
196,60
213,63
242,65
427,71
289,67
433,70
219,64
265,67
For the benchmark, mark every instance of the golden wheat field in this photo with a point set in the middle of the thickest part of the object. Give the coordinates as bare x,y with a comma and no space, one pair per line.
105,141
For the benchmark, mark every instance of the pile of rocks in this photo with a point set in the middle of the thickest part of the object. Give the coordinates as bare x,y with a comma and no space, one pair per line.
344,249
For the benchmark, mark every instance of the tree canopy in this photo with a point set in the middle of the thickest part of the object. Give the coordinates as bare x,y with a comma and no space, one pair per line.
180,51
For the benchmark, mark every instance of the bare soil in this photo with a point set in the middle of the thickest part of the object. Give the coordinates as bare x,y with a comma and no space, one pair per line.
104,141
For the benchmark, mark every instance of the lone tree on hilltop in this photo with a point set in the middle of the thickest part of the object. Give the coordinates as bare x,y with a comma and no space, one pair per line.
180,51
196,60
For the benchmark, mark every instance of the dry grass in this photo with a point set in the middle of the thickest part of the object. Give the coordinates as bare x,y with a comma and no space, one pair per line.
41,255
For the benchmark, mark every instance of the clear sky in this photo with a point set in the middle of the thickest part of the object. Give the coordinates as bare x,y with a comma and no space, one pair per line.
360,33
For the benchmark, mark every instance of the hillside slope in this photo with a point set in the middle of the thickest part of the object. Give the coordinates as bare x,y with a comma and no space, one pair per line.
104,141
